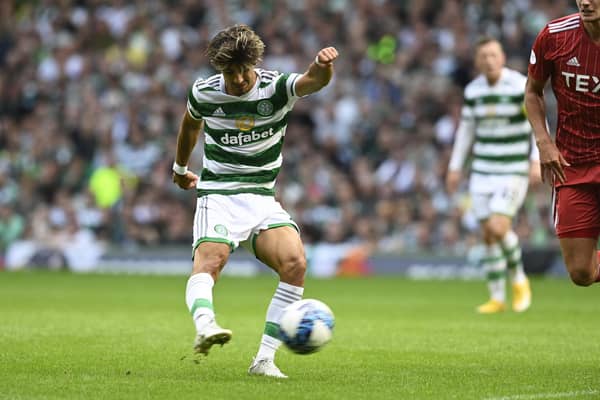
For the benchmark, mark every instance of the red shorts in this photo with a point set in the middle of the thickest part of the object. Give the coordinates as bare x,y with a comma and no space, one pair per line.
577,203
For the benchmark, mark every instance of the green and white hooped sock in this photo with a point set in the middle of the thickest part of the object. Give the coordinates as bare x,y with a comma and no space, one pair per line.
494,264
285,294
198,297
512,251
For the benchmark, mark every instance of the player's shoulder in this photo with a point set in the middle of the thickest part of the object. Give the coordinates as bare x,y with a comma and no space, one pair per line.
266,76
512,76
476,86
563,24
211,83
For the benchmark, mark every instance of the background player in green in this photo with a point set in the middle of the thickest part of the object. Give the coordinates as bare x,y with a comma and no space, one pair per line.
243,111
494,122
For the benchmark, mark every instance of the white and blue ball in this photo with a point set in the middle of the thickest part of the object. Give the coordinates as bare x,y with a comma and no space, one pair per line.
306,326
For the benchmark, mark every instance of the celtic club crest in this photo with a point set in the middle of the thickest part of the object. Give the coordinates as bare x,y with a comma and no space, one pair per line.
221,230
264,108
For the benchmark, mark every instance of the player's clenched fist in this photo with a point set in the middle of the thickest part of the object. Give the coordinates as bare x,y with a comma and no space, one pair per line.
187,181
326,56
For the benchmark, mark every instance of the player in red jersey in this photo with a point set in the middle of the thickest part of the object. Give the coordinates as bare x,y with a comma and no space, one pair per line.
567,51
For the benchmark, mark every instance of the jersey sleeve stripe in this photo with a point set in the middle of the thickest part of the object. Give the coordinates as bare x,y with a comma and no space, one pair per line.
293,86
192,112
564,28
564,22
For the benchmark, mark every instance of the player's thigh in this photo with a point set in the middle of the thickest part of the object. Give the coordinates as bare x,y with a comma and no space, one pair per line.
278,247
577,223
577,211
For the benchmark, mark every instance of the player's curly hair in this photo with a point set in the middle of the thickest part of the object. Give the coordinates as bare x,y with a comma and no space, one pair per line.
236,45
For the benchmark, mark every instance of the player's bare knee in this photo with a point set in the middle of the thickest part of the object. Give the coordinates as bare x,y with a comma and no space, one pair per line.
581,277
581,280
211,263
488,238
219,259
499,232
293,266
498,227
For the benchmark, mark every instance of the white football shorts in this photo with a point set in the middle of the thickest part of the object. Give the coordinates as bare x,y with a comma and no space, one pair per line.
497,194
237,219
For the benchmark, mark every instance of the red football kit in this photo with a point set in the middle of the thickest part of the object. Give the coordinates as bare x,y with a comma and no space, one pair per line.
564,52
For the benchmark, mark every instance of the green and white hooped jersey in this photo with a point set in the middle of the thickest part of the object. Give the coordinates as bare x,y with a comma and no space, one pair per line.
503,136
243,134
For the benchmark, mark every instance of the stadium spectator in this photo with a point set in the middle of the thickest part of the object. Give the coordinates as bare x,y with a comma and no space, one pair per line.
566,52
12,226
80,78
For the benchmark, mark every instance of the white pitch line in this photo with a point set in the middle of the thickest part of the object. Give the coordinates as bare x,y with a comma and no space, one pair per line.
545,395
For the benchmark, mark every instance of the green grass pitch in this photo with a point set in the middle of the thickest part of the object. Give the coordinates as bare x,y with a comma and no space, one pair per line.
65,336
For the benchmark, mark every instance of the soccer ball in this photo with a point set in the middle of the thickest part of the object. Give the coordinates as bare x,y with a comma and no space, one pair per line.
306,326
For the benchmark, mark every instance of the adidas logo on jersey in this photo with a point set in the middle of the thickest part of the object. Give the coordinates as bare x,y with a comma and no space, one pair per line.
218,112
574,62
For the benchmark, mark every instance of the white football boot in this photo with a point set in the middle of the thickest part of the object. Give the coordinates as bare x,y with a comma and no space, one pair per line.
211,334
265,367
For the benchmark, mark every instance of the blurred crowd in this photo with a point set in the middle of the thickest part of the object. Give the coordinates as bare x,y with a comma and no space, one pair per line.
92,92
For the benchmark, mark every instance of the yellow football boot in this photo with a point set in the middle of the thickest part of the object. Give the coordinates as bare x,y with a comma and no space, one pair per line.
521,296
491,307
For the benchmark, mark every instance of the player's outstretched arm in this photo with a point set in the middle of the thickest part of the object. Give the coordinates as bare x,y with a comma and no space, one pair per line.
187,137
319,72
551,161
